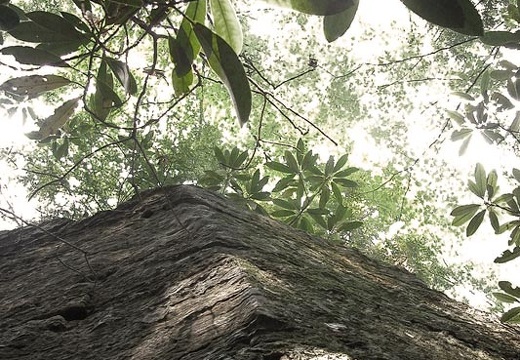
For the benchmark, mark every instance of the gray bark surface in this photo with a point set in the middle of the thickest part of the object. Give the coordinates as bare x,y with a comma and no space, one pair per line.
182,273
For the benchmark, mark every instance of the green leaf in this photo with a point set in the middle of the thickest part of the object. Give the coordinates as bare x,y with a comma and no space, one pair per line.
239,160
345,173
515,125
341,213
480,180
314,7
508,226
104,98
186,47
219,155
492,137
300,190
9,18
181,84
514,237
500,38
484,84
516,193
465,215
62,48
279,167
492,188
349,226
54,23
62,150
513,206
31,56
504,198
33,85
282,184
329,166
516,175
318,218
224,61
513,88
338,194
474,224
456,116
501,75
291,161
463,95
324,197
309,160
282,213
317,211
345,182
315,170
181,55
505,298
342,161
61,115
305,224
508,65
46,28
254,182
508,255
512,315
284,204
261,196
123,74
334,26
227,25
464,146
461,134
233,156
493,218
508,288
458,15
261,183
464,210
236,187
76,22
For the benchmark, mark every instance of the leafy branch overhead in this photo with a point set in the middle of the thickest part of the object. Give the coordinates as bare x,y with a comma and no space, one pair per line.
492,113
299,190
497,206
66,40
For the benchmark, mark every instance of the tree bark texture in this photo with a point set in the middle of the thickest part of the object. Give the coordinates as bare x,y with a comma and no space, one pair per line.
182,273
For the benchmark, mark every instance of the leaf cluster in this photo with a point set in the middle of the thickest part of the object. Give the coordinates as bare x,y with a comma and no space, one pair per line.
496,206
299,190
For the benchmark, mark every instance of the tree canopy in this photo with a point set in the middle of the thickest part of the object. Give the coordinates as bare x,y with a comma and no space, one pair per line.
150,93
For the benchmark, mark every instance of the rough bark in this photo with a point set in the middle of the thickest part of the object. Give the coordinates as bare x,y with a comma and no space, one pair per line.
182,273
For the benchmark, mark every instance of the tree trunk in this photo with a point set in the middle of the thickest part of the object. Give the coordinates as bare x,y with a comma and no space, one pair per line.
182,273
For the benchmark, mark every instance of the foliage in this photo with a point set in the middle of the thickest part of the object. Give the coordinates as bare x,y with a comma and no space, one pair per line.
306,195
167,121
494,115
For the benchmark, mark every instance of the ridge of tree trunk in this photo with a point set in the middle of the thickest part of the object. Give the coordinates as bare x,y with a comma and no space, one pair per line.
182,273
